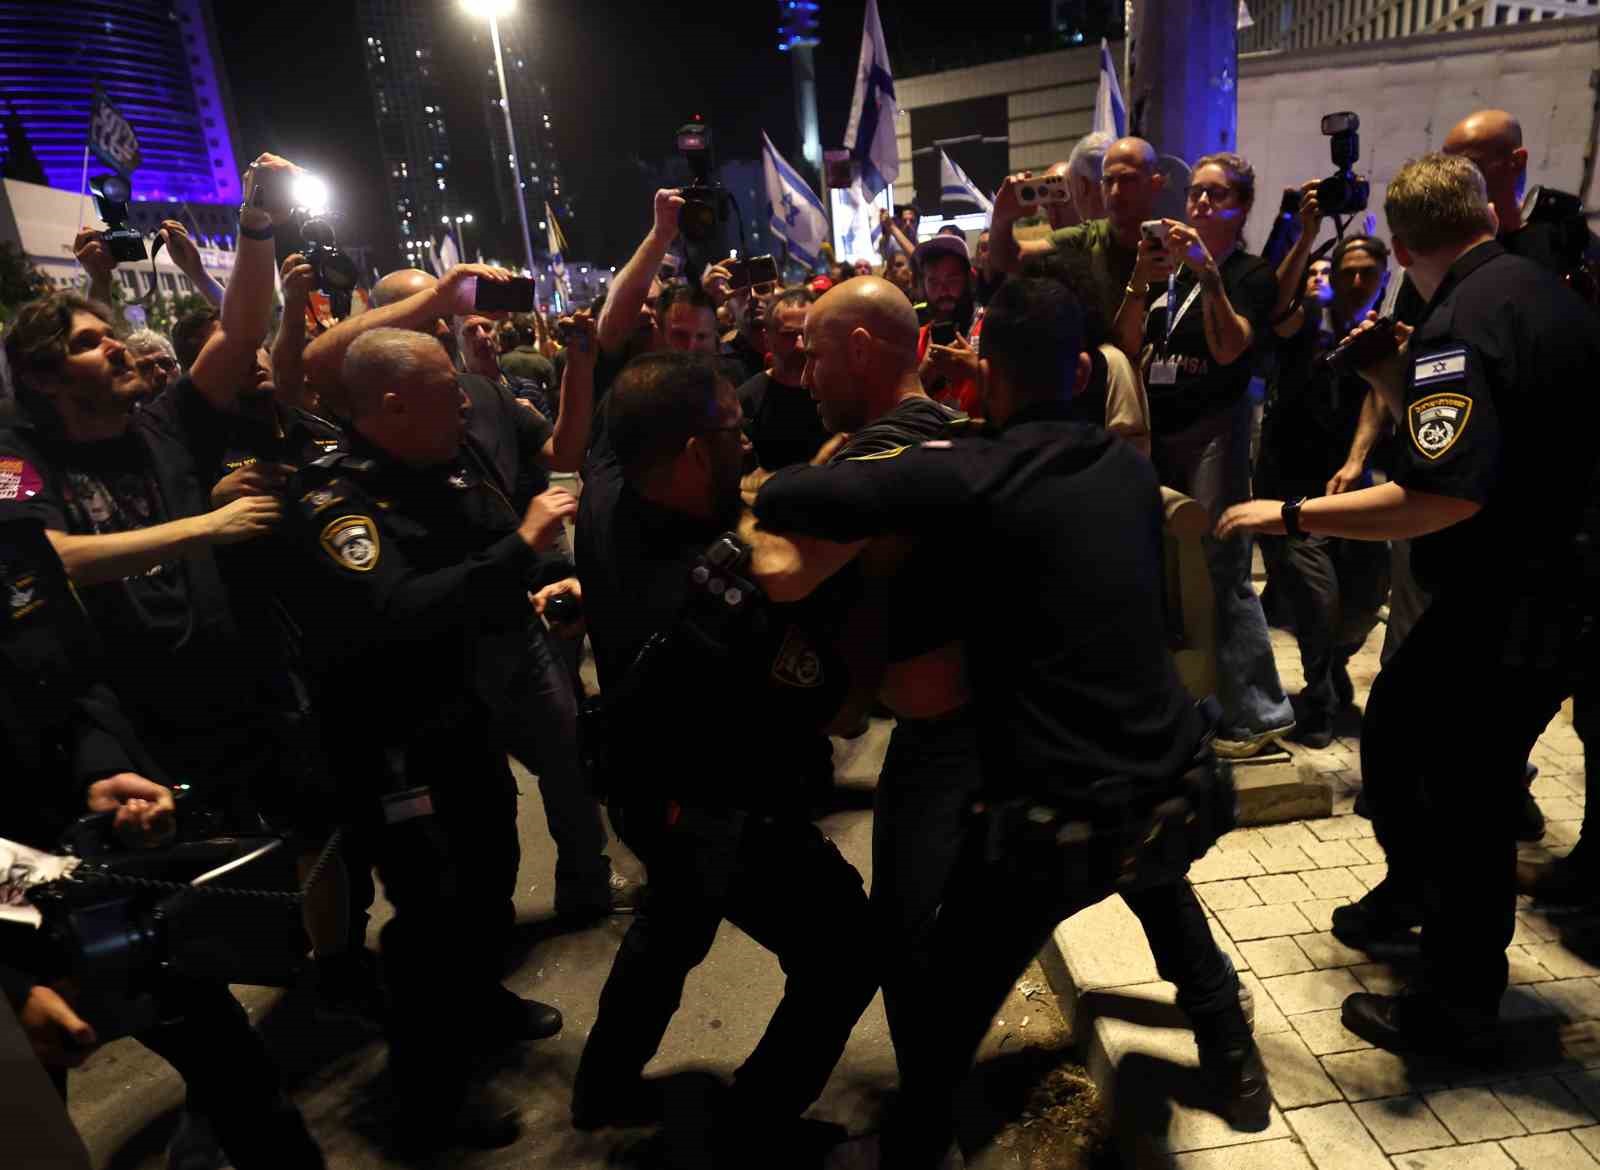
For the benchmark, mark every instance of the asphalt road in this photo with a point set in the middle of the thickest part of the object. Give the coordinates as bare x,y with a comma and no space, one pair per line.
1028,1107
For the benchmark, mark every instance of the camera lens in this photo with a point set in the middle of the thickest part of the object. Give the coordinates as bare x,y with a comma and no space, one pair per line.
1028,195
697,220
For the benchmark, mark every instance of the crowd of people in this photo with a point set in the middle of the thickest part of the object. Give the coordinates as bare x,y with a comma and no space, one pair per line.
334,591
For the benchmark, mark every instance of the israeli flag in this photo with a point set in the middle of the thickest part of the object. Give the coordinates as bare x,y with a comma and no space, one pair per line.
955,187
449,254
794,213
869,134
1110,115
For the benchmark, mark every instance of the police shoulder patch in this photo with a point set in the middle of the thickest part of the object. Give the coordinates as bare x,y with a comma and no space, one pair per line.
797,663
1437,421
889,454
352,543
19,479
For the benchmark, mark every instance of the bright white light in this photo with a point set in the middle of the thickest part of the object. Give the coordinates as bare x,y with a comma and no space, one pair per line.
486,8
468,217
310,193
444,219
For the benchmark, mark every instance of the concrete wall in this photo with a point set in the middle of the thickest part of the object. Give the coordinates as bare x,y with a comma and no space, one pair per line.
1408,91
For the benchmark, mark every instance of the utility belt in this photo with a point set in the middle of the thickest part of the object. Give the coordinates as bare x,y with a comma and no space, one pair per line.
1117,835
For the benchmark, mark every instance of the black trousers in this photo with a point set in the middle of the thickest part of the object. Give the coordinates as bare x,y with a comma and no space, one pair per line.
451,877
230,1079
989,929
1447,729
785,885
1334,588
929,779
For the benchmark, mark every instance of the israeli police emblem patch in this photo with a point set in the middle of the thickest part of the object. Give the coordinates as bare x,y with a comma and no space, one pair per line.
352,541
797,663
1436,422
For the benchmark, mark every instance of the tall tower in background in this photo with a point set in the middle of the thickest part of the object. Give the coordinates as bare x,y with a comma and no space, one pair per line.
540,181
158,62
799,33
408,104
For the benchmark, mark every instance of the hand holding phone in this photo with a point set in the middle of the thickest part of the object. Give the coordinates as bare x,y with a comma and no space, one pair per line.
504,296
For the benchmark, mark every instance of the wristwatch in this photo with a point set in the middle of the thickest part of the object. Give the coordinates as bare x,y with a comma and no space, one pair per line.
1291,518
251,233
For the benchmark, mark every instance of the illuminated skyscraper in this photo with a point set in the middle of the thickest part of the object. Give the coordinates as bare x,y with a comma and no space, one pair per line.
158,62
530,116
408,104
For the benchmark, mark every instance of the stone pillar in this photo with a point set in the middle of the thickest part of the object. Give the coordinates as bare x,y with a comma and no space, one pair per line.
1184,83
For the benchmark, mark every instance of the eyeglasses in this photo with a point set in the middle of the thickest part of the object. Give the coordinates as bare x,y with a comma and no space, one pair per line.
765,289
1215,193
163,362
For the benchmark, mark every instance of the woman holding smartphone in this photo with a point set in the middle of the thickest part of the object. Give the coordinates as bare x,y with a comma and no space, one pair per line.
1195,337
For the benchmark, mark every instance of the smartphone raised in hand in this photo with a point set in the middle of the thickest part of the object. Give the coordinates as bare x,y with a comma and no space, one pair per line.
504,296
1155,230
942,333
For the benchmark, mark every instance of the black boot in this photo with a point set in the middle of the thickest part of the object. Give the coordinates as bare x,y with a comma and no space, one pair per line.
1231,1065
1382,920
1573,880
1414,1022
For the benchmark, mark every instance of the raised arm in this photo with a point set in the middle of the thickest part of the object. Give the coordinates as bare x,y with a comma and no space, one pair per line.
186,256
1006,252
229,353
620,317
95,560
1292,271
450,296
289,346
567,445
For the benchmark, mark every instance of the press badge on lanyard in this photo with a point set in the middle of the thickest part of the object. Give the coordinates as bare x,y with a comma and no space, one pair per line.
1164,369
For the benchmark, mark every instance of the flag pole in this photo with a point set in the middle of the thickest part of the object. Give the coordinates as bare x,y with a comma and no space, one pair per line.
83,185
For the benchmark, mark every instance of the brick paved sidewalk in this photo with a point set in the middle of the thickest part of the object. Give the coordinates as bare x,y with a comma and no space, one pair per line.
1341,1104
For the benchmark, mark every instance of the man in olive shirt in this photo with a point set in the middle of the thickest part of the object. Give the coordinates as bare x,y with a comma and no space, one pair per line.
1130,180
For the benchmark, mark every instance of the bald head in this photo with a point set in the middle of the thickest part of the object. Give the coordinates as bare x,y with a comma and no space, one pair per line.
1135,152
397,286
861,352
381,360
1492,139
873,304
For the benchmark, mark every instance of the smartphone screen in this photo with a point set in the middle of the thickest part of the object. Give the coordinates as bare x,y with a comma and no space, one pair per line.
942,333
505,296
738,273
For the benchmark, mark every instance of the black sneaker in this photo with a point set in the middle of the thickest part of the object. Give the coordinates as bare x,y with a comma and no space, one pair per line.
1313,729
620,895
1239,1080
1379,922
1418,1023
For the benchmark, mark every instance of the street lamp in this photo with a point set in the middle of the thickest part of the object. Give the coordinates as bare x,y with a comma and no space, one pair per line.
494,10
461,231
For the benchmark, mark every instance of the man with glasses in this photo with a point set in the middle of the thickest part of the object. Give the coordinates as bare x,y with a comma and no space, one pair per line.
154,358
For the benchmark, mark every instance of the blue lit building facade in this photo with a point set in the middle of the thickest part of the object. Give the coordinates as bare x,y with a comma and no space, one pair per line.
159,63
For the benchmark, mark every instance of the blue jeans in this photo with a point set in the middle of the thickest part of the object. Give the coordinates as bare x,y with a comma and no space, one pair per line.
1210,461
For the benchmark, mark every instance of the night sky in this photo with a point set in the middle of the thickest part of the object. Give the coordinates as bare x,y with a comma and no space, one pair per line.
622,74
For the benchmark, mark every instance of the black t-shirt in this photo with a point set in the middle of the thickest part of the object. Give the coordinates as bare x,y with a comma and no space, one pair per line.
220,442
510,435
742,359
1500,410
1311,416
1071,673
781,422
1201,386
913,420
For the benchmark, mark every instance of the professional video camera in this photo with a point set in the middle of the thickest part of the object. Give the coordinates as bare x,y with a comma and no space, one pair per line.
227,908
1343,192
705,203
111,194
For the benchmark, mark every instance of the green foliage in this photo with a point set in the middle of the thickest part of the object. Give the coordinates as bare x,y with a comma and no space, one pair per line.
20,281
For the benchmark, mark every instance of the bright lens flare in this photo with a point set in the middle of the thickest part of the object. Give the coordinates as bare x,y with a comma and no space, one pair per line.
484,8
310,193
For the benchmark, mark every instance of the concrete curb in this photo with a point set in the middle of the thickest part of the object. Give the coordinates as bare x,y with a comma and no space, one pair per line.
1135,1042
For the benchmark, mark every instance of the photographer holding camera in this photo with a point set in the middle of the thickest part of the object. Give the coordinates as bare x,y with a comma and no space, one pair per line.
70,751
1498,501
1196,309
1315,415
90,248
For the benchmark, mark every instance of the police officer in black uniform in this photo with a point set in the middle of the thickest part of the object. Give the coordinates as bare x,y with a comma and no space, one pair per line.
69,750
1493,388
697,788
1078,705
411,588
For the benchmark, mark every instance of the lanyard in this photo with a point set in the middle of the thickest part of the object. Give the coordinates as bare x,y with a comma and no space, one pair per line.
1174,317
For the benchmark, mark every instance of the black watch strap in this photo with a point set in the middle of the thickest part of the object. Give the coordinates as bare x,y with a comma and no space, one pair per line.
1291,518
